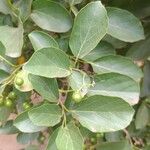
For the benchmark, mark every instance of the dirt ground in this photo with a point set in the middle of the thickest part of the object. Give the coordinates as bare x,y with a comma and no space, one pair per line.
8,142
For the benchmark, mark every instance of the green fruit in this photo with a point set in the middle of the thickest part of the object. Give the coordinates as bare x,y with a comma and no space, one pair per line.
1,100
8,102
42,138
26,105
12,96
19,81
77,97
93,140
98,135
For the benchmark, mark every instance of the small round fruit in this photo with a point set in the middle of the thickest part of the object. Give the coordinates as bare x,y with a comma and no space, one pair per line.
8,103
1,100
93,140
42,139
19,81
12,95
26,105
77,97
98,135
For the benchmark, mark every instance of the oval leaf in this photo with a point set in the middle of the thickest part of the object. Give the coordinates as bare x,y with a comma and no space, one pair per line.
102,49
48,88
73,138
48,62
103,114
45,115
124,26
24,124
117,64
117,85
41,40
52,140
51,16
12,39
89,28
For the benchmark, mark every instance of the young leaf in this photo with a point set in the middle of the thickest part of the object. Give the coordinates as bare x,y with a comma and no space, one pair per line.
79,81
48,62
122,145
73,138
124,26
52,140
24,7
89,28
24,124
51,16
117,64
41,40
103,114
12,39
48,88
117,85
45,115
102,49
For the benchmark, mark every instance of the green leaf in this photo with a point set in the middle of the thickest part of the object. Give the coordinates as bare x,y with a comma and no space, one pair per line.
8,128
41,40
4,113
124,26
52,140
48,88
12,39
3,75
74,2
145,87
79,81
117,44
51,16
26,86
24,124
4,7
24,7
103,114
139,50
102,49
2,49
122,145
117,64
49,62
73,138
117,85
26,138
45,115
89,28
114,136
142,116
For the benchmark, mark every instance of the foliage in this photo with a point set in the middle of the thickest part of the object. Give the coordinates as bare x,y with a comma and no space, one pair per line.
76,72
